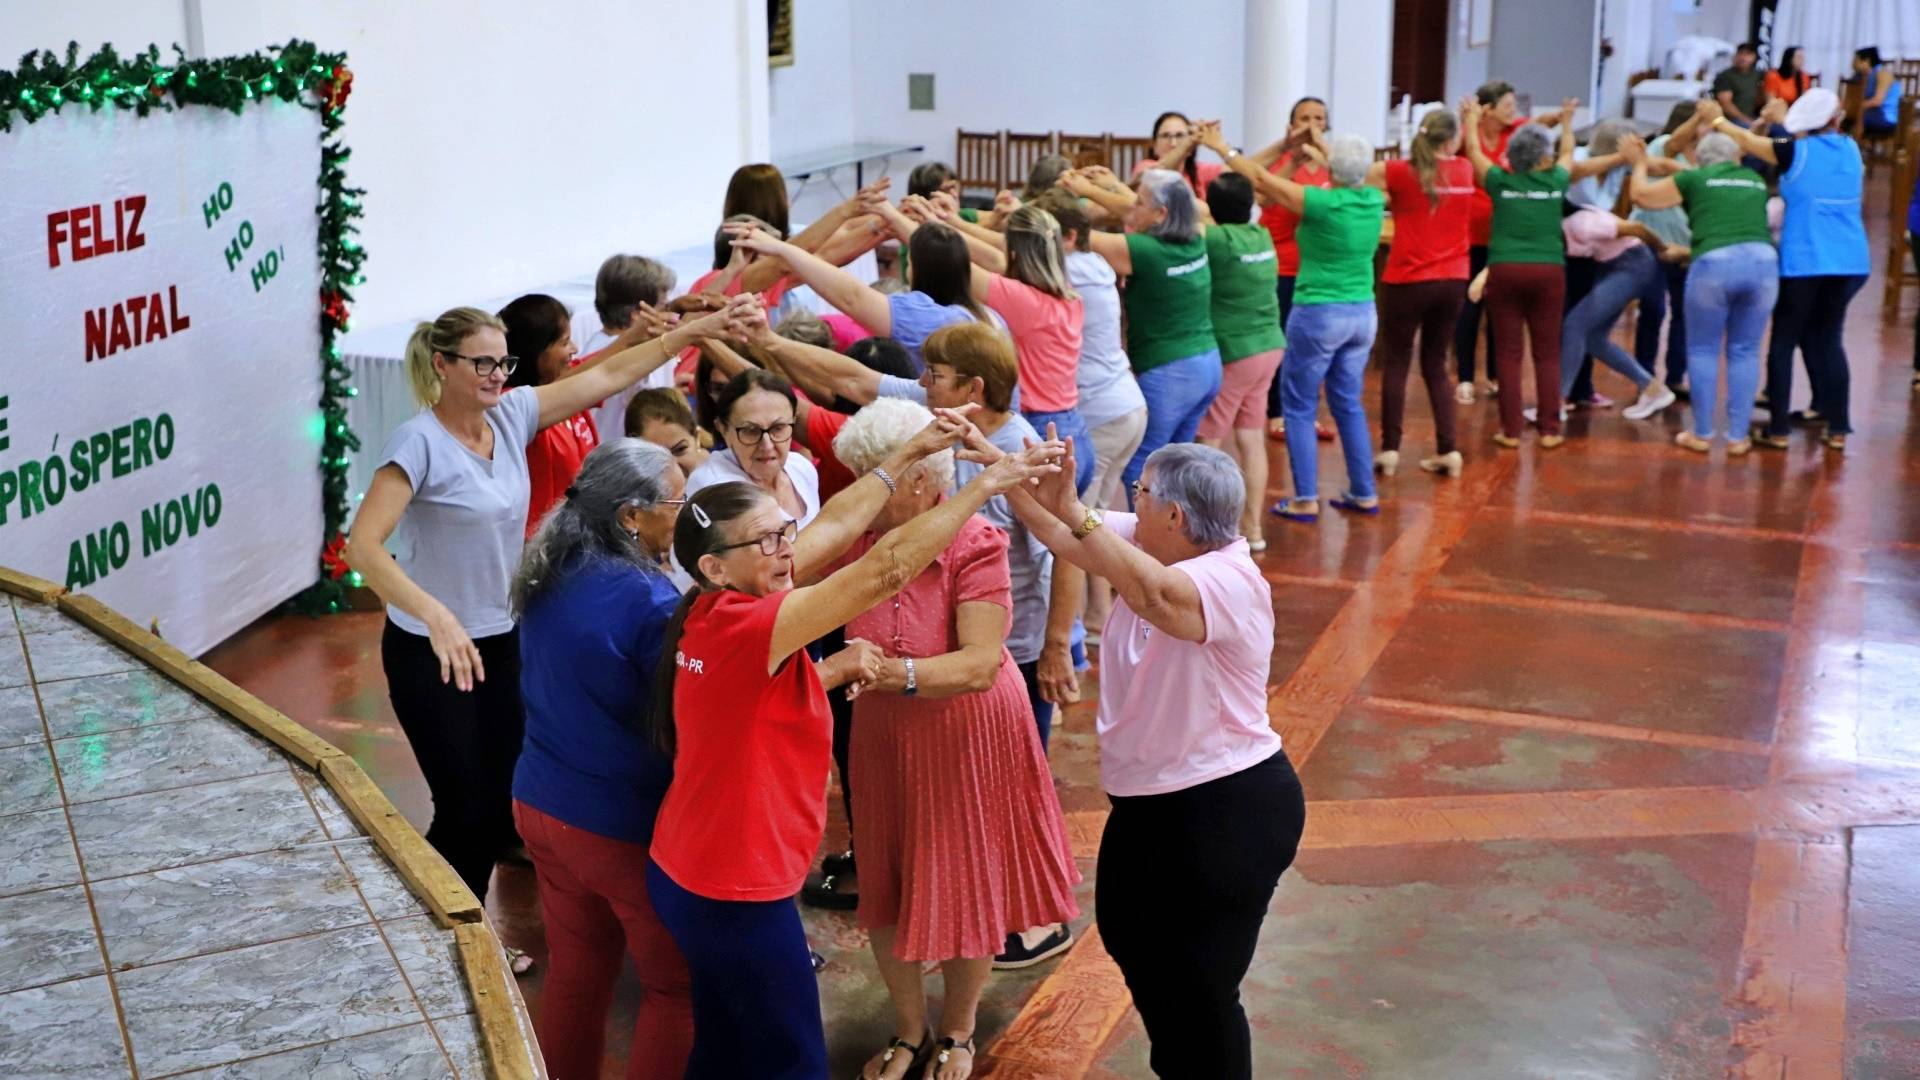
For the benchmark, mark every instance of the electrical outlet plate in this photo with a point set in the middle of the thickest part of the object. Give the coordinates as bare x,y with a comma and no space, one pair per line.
920,92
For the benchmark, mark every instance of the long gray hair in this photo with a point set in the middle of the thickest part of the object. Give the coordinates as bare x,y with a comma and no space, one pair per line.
586,523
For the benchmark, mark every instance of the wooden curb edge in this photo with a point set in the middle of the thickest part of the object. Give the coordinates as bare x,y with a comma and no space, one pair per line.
426,873
482,961
28,586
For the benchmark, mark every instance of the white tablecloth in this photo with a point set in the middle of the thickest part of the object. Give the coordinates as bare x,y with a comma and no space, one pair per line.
377,356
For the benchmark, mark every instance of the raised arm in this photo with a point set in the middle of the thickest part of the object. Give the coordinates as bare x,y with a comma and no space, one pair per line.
867,305
634,358
1645,193
822,373
1470,113
898,558
1281,189
1113,198
847,515
1112,247
860,202
1563,158
986,247
1750,144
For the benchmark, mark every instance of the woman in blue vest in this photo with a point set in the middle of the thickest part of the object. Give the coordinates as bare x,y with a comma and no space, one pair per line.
1824,259
1880,92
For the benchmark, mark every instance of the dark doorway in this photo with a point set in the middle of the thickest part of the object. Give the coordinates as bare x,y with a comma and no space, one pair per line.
1420,49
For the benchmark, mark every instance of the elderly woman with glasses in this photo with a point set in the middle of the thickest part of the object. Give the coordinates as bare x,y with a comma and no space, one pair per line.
594,596
452,492
754,416
962,839
1331,328
1185,746
742,709
1170,339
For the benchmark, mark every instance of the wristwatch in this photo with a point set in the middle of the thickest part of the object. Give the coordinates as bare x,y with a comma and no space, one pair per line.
913,684
1092,521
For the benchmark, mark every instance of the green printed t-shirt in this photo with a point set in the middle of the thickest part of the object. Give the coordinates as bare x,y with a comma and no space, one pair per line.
1339,235
1169,295
1526,215
1726,205
1246,307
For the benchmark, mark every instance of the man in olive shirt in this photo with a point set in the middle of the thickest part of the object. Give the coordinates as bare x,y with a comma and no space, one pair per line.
1738,88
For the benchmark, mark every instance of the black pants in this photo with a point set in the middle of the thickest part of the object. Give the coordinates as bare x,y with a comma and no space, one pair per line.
1646,331
1582,272
1283,289
1042,708
1811,316
1466,331
1184,881
466,742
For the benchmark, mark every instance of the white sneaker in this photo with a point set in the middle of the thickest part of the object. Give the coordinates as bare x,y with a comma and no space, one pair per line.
1647,406
1533,414
1464,392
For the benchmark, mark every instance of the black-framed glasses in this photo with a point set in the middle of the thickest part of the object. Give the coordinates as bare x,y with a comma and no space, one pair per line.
769,543
751,434
487,365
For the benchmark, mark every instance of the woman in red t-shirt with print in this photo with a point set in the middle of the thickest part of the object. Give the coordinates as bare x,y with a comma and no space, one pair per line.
1431,197
744,711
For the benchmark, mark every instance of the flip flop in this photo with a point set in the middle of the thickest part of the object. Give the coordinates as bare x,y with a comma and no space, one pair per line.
1342,502
1283,509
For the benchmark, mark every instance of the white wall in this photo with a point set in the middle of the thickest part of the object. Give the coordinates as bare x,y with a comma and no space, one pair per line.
812,99
501,146
1466,66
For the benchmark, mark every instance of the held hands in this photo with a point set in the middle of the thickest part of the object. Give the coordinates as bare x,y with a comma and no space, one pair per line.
859,664
1005,202
946,202
1708,111
1034,464
1568,106
1633,149
459,657
732,322
1774,111
1210,137
868,199
949,426
753,239
1470,111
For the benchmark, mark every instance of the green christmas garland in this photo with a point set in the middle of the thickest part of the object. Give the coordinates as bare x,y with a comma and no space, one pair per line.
298,73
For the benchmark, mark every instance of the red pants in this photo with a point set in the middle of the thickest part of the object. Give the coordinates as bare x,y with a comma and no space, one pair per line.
593,898
1529,296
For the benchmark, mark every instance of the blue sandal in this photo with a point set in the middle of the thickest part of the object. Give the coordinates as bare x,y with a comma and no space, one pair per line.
1351,506
1284,508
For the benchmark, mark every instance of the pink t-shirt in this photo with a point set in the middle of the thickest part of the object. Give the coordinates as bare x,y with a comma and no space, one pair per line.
845,331
1176,714
1595,234
1046,339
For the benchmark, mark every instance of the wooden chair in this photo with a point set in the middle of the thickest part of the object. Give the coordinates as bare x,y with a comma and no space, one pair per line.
980,160
1022,151
1387,153
1085,150
1906,161
1127,152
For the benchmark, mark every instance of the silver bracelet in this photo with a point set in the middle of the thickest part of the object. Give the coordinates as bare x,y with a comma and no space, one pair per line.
885,479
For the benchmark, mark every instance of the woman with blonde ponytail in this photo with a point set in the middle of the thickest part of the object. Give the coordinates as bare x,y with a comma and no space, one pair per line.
451,493
1431,197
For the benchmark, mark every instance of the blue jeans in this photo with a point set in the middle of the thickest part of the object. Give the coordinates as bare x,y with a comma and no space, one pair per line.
1177,397
1656,305
1589,326
756,1000
1068,424
1730,294
1328,344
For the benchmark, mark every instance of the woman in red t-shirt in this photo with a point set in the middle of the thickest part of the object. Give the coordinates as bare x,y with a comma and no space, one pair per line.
744,710
1431,197
1307,120
540,333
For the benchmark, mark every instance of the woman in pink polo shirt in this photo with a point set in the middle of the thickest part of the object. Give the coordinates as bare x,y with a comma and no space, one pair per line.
1185,746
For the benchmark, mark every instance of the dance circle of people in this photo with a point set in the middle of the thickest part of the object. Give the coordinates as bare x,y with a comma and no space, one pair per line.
642,602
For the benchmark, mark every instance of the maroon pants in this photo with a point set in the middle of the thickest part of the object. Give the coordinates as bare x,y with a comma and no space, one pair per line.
1529,296
593,899
1431,308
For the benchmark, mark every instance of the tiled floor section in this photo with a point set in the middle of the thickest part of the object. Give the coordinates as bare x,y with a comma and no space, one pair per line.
1610,754
177,898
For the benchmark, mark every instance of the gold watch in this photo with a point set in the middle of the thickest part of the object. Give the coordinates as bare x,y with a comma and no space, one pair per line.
1092,521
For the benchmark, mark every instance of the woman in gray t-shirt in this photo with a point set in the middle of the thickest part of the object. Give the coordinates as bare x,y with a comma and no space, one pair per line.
451,493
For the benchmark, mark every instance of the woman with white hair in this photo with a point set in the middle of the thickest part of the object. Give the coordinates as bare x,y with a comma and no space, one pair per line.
593,595
961,837
1526,269
1331,329
1824,258
1207,811
1731,285
1169,290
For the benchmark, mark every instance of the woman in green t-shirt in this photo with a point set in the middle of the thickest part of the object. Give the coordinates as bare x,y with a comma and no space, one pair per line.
1331,328
1731,286
1169,292
1526,268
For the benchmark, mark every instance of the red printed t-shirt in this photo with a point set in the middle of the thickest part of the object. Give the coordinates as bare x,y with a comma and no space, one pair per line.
821,426
553,460
1429,242
1480,227
1281,222
748,801
1046,341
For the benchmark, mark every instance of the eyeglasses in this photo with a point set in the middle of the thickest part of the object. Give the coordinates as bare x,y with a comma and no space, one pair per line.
1140,488
751,434
670,502
769,543
487,365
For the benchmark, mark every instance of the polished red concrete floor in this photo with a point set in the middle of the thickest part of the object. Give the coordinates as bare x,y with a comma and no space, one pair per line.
1613,754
